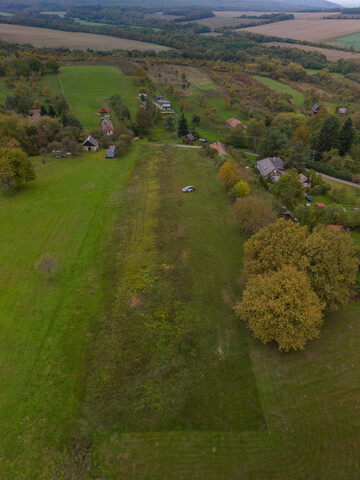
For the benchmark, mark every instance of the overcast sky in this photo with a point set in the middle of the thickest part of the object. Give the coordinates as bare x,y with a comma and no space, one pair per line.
350,3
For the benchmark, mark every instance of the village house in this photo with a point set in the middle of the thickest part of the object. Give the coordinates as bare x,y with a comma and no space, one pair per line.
162,103
271,168
219,147
234,122
315,109
90,144
190,137
342,110
107,126
35,115
110,152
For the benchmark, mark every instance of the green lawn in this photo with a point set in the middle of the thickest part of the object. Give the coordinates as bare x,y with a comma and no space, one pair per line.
297,97
6,14
87,89
67,211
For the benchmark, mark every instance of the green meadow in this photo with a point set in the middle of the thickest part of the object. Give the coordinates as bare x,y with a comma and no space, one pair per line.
87,88
297,97
347,41
68,212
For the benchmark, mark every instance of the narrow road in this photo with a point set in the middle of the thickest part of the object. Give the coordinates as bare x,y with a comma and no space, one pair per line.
172,145
345,182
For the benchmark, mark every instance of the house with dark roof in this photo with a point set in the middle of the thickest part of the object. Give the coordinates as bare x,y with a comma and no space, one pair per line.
315,109
90,144
271,168
107,126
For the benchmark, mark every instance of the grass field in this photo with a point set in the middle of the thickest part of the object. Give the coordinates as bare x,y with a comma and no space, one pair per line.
88,87
67,211
347,41
5,14
43,37
297,97
132,351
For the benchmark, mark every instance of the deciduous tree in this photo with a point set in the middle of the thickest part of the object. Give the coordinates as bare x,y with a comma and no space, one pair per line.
253,213
330,262
280,306
15,168
289,188
274,246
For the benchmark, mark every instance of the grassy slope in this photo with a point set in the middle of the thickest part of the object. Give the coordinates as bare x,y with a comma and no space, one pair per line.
88,87
298,97
66,211
309,399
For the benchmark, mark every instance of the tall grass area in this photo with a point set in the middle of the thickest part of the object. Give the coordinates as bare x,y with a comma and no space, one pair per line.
88,87
297,97
67,211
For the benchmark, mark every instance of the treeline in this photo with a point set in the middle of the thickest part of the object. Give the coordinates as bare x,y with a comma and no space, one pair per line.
266,18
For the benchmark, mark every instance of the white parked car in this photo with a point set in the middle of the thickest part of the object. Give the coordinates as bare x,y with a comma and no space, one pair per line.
188,189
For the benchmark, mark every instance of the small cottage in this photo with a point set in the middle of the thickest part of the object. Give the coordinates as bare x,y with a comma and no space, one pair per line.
190,137
342,110
110,152
107,126
90,144
315,109
219,147
234,122
35,115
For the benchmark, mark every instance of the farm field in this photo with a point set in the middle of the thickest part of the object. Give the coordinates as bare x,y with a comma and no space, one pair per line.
300,15
315,30
44,37
297,97
346,41
330,54
67,211
88,87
